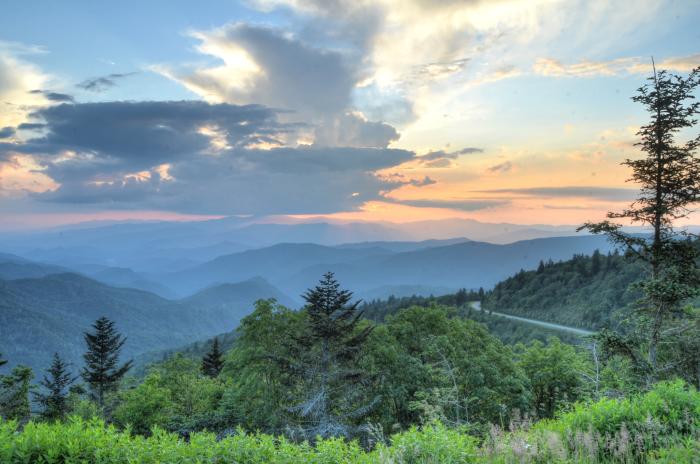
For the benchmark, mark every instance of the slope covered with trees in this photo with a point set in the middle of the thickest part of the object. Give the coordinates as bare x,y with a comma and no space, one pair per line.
584,291
49,314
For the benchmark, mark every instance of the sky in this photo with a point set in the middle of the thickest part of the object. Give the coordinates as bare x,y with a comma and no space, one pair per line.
502,110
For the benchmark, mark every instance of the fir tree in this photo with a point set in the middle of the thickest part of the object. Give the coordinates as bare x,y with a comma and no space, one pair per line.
56,385
14,394
213,362
595,262
669,176
334,390
102,372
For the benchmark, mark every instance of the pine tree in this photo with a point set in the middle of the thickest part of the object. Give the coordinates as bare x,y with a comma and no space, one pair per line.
56,384
14,394
595,262
213,361
334,390
101,371
669,176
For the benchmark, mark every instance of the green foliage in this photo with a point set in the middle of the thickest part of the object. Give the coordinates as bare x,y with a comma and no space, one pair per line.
556,374
174,396
660,426
507,330
145,406
14,394
258,388
434,364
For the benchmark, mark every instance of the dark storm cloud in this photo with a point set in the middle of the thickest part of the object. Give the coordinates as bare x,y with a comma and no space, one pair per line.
598,193
102,83
7,132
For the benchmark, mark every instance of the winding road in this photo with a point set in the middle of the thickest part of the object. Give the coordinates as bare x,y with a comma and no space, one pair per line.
548,325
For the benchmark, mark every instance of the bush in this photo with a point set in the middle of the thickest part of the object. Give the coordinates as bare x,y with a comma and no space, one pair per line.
660,426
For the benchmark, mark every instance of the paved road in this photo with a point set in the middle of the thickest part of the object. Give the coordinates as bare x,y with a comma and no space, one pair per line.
548,325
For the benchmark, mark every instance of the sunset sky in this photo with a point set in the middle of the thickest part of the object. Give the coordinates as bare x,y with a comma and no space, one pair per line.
499,110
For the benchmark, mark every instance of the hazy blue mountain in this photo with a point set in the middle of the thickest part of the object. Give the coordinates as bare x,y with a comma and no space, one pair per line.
16,267
275,263
295,267
400,246
41,315
125,277
162,246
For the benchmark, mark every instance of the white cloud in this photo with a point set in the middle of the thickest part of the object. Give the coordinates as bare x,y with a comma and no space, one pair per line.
632,65
18,78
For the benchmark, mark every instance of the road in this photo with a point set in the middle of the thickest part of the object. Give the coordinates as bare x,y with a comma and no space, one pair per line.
547,325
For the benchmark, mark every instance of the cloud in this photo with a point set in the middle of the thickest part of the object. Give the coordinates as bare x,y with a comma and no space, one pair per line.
103,83
197,157
131,136
265,66
500,168
18,78
299,180
354,130
443,159
54,97
7,132
462,205
632,65
597,193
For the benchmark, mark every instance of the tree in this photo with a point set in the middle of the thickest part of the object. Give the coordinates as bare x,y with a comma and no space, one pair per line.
326,362
213,361
55,400
595,262
14,394
669,176
102,372
2,361
555,374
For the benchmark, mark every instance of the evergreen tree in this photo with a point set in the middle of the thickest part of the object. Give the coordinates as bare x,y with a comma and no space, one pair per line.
101,371
56,385
669,176
595,262
213,361
14,394
334,391
2,361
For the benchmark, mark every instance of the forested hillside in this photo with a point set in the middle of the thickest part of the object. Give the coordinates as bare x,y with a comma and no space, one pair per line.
585,291
49,314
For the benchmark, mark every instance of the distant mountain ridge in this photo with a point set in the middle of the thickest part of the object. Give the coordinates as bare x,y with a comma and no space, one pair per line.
365,268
